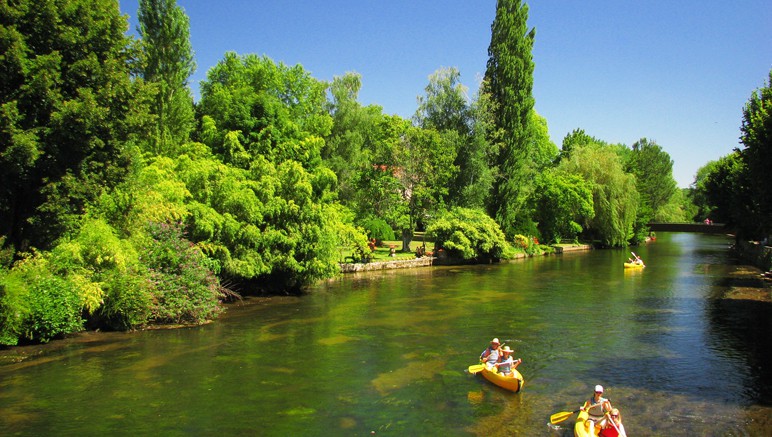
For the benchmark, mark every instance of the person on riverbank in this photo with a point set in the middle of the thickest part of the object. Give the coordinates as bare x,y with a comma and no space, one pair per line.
492,354
507,364
614,427
596,408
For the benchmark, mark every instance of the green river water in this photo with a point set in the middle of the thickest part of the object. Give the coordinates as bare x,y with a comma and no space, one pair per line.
386,353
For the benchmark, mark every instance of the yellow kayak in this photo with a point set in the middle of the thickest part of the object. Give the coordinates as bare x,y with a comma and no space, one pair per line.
512,383
582,428
634,266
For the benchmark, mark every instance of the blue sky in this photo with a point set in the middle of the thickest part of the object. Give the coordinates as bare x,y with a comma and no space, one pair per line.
677,72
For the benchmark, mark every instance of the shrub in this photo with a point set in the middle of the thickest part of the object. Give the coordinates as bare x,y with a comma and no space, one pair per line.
469,234
183,289
378,228
37,305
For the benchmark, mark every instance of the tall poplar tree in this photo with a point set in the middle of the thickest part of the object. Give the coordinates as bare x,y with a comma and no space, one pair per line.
509,77
165,31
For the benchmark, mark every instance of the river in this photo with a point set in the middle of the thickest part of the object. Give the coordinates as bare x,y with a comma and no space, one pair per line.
385,354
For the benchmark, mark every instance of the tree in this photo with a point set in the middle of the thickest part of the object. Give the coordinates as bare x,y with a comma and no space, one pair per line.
349,146
562,203
615,199
469,234
68,108
165,31
730,195
653,170
509,78
578,137
262,205
445,105
756,138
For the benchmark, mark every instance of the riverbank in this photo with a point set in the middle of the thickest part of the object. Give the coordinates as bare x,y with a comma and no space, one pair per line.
428,261
756,254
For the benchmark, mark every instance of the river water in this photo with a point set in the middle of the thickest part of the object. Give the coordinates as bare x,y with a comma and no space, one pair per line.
386,353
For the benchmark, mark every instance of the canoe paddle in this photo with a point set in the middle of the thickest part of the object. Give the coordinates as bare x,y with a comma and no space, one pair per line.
476,368
562,416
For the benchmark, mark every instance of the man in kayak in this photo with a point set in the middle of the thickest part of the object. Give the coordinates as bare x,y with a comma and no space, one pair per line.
596,408
490,356
507,364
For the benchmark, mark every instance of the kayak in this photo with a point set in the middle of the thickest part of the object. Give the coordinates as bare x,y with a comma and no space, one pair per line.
582,428
511,383
634,266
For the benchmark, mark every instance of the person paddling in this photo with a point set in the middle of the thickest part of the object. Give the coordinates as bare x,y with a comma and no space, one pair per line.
491,355
508,364
596,408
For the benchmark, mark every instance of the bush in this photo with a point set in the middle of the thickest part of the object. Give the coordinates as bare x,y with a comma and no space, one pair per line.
37,305
470,235
183,289
378,228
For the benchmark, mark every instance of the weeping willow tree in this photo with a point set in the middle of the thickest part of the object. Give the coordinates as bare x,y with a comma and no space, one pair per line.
615,198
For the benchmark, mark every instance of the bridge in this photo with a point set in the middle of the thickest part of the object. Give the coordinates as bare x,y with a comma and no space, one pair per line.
715,228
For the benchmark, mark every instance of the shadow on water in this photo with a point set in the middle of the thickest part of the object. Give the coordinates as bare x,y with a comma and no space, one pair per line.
680,350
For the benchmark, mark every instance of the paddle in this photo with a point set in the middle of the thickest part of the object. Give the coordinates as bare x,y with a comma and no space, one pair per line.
562,416
476,368
611,420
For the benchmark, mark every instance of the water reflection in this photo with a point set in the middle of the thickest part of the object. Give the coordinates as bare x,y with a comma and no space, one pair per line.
387,353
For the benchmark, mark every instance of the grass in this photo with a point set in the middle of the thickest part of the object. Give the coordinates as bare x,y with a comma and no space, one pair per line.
381,252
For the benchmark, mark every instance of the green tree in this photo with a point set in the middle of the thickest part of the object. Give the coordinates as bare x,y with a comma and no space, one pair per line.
68,108
469,234
757,153
348,148
730,195
615,199
509,78
168,63
562,203
578,137
698,192
653,170
445,105
476,156
266,210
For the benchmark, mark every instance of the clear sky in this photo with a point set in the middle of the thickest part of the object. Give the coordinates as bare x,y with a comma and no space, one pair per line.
677,72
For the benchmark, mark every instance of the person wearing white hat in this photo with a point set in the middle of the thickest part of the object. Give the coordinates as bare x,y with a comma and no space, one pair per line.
596,408
507,364
491,355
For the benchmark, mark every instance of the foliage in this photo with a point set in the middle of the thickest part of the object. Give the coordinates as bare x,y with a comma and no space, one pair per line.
653,170
470,235
183,288
729,194
67,108
168,63
261,210
578,137
615,199
378,228
509,78
38,305
757,154
444,108
562,202
476,156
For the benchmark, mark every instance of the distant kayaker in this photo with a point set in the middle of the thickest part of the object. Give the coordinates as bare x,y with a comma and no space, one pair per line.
614,428
491,355
507,364
596,408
